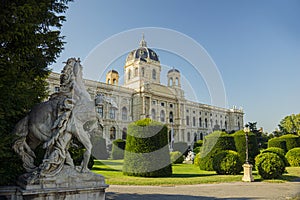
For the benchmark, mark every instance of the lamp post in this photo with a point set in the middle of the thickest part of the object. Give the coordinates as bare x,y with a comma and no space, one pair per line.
247,166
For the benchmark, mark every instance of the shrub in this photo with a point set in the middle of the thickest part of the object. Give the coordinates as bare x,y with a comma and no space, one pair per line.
197,150
227,162
293,157
118,149
181,147
197,159
291,141
176,157
279,152
99,150
269,165
199,143
240,144
212,145
277,142
77,151
147,150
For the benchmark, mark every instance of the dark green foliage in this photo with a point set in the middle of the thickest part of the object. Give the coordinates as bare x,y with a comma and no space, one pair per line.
291,141
30,41
118,149
240,144
176,157
279,152
197,150
293,157
99,150
277,142
269,165
199,143
227,162
77,150
212,145
147,150
181,147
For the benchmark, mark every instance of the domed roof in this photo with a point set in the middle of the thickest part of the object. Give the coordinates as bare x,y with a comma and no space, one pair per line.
173,70
142,53
113,71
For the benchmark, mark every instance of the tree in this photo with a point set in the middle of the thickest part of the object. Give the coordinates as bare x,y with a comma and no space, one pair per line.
261,138
290,124
30,41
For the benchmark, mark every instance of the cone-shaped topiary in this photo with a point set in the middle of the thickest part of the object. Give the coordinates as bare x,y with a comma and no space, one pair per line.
147,150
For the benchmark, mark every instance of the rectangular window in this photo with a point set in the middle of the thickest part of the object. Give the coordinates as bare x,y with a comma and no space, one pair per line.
171,105
162,104
112,113
56,89
100,111
153,102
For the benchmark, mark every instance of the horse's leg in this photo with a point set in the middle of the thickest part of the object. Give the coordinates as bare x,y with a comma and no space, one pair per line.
86,142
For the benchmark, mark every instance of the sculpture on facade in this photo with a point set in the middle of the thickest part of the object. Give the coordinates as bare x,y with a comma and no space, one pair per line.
67,114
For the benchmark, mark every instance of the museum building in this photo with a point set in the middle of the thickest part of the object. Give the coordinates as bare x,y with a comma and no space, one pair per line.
142,95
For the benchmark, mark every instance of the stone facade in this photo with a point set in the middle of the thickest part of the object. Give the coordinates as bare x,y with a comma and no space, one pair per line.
142,95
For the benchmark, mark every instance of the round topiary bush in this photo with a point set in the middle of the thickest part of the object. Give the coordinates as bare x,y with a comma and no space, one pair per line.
147,150
277,142
176,157
278,151
212,145
240,145
293,157
118,148
269,165
227,162
197,159
291,141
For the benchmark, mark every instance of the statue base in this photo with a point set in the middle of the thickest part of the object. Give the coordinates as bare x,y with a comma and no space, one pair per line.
68,184
248,173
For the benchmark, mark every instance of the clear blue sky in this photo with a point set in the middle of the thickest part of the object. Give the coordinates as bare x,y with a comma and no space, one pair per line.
255,44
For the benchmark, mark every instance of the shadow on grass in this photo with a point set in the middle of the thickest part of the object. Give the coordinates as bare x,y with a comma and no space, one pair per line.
190,175
122,196
105,169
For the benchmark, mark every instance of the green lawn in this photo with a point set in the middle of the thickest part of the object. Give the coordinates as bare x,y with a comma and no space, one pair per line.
183,174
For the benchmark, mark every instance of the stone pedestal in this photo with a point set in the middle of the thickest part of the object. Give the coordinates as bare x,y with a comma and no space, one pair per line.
69,184
248,173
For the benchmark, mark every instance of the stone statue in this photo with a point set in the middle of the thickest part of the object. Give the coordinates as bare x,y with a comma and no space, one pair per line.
67,114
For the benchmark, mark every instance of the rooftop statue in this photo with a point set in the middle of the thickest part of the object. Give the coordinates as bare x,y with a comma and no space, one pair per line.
67,114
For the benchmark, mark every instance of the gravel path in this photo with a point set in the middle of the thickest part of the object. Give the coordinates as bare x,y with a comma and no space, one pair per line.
238,190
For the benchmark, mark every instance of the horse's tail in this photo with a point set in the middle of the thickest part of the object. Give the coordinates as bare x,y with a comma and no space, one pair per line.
21,147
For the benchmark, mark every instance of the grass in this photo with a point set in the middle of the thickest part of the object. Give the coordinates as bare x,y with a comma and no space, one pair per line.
183,174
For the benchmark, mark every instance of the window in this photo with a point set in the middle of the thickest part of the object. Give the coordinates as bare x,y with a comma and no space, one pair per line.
206,123
211,123
239,125
194,112
171,105
100,110
56,89
162,116
114,81
195,137
199,113
171,117
188,136
112,113
176,81
129,74
108,81
187,111
216,122
135,71
112,133
162,104
226,125
143,71
153,102
153,74
153,114
187,120
124,133
124,113
221,124
200,122
194,121
171,82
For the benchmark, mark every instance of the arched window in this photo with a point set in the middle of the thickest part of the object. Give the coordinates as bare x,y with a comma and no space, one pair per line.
112,133
200,122
143,71
201,136
153,74
188,136
153,114
225,125
124,113
112,113
216,122
187,120
129,74
114,81
171,117
135,71
211,123
221,124
124,133
162,116
176,81
195,137
108,81
239,125
171,82
206,123
194,121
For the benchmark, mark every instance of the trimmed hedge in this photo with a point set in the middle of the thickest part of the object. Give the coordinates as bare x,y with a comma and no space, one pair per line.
227,162
147,150
240,145
279,152
291,141
277,142
212,145
269,165
293,157
118,148
176,157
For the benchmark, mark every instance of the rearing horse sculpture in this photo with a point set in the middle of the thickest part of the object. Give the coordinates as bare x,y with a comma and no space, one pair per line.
53,123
